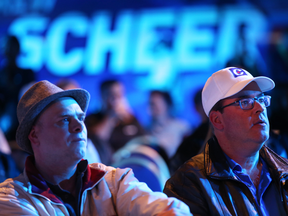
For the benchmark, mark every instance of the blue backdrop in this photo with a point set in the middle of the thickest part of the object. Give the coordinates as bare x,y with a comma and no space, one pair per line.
167,45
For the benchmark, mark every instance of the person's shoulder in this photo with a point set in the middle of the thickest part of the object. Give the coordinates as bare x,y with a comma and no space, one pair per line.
191,168
12,186
16,197
108,169
101,166
180,123
114,176
187,178
8,183
268,153
195,163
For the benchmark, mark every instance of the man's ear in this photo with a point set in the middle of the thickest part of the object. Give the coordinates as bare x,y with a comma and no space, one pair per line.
33,136
216,120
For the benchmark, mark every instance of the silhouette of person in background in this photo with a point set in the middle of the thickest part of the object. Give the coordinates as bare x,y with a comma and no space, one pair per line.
242,57
278,140
8,168
12,80
114,125
167,129
278,54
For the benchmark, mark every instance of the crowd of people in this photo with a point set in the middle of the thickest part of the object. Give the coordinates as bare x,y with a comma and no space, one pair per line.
55,160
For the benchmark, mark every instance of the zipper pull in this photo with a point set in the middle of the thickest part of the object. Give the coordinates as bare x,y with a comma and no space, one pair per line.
283,182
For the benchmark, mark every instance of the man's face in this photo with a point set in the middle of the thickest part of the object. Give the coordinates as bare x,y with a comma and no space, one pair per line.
61,130
113,97
157,105
246,126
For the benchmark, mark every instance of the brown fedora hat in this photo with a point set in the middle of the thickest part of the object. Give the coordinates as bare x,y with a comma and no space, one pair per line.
35,99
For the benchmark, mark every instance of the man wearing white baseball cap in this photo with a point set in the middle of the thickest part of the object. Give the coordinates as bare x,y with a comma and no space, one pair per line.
236,174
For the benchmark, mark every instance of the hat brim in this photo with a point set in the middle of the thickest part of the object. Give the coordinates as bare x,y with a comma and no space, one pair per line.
81,96
264,83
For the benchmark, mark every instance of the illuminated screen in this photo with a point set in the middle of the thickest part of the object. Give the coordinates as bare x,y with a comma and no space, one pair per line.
160,45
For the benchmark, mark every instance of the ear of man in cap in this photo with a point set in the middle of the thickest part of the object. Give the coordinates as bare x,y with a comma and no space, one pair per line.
35,100
227,82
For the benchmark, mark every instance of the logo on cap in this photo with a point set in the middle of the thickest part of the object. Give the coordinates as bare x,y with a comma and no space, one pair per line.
237,72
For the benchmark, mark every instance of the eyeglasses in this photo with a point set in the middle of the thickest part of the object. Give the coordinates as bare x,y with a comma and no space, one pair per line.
248,103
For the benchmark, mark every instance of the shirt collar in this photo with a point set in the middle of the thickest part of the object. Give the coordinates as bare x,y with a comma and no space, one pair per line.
233,165
237,167
39,186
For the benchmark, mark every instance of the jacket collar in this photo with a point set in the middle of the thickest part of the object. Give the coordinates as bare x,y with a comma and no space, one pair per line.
278,165
39,185
215,162
217,166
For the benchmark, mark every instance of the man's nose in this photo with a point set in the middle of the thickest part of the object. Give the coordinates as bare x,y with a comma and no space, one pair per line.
259,106
77,126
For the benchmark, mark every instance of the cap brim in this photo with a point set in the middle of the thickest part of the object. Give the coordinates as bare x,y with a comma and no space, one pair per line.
264,83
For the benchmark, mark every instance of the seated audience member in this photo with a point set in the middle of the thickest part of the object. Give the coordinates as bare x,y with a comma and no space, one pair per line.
236,174
12,79
18,155
94,124
56,181
168,130
147,159
192,144
115,124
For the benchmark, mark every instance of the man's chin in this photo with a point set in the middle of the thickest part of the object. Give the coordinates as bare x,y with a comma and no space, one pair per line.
263,138
79,155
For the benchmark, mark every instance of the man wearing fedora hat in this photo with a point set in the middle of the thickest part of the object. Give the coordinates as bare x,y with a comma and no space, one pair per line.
56,180
236,174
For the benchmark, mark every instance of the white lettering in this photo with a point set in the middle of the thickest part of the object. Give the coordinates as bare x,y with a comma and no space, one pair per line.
159,43
195,38
25,29
149,47
102,39
59,62
154,51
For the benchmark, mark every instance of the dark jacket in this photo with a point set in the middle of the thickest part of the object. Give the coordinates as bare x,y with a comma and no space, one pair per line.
208,185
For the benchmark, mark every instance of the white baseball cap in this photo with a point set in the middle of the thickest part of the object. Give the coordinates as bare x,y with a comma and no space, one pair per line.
227,82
